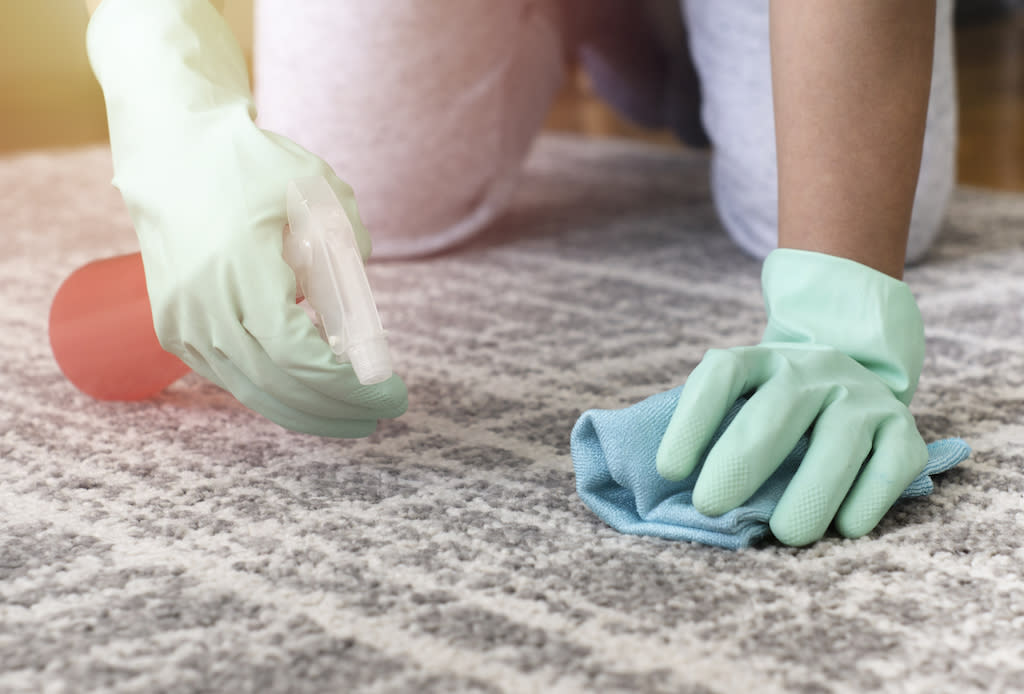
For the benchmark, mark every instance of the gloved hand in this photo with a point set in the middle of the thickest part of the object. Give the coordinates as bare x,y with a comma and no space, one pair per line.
842,353
206,190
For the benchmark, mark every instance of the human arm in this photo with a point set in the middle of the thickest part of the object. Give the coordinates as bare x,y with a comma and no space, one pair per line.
851,83
844,344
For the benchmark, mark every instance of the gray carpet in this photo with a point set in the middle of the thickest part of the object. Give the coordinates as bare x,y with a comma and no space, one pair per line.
187,545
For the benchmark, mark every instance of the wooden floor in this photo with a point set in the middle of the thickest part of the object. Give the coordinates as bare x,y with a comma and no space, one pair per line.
991,83
990,61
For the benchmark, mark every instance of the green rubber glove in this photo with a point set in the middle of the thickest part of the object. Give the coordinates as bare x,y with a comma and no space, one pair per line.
842,353
206,190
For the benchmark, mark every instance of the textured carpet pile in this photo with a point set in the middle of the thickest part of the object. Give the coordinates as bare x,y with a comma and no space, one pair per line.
185,544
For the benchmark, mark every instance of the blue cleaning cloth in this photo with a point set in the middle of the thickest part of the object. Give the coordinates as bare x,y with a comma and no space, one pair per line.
614,453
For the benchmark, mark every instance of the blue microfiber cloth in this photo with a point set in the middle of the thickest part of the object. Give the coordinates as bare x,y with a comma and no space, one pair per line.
614,455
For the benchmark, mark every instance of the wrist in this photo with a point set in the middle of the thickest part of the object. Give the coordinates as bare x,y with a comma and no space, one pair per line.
166,55
885,253
814,298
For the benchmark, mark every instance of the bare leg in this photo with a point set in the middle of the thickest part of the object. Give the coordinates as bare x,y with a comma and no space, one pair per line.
637,56
426,108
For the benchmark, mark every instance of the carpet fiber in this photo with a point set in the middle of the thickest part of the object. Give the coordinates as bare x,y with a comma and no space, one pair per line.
185,544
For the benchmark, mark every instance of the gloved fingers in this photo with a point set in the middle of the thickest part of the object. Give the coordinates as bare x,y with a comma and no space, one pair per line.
839,445
195,361
295,388
301,354
225,375
232,379
899,456
757,441
279,330
711,389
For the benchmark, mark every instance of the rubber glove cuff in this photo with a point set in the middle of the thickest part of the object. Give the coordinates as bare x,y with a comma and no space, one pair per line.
814,298
176,55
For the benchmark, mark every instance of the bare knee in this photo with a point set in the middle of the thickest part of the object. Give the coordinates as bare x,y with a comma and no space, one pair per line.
425,108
